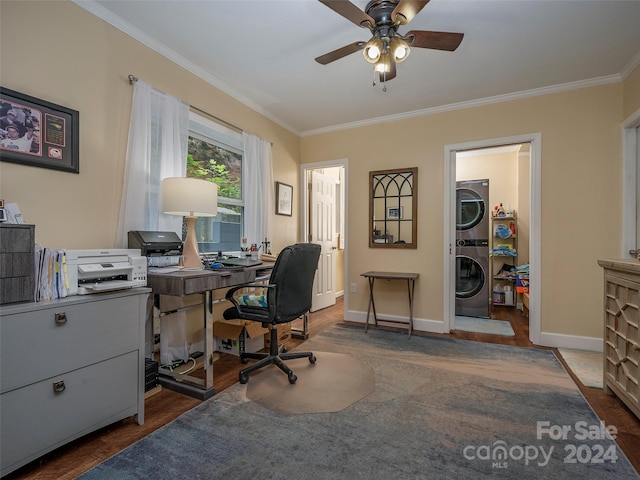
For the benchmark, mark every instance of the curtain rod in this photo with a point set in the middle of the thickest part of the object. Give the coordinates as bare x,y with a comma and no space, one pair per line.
133,79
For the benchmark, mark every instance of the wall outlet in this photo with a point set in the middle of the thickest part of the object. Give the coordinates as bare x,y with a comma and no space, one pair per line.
353,288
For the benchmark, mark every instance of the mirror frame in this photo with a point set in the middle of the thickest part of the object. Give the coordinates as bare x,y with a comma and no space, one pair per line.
374,183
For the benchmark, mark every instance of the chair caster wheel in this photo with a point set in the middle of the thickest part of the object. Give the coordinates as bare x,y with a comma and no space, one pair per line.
292,378
244,360
244,379
312,359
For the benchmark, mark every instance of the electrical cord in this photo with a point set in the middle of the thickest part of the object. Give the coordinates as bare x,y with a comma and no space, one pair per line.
180,363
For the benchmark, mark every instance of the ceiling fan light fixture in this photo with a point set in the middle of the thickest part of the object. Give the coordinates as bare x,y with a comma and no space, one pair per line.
384,64
372,50
400,49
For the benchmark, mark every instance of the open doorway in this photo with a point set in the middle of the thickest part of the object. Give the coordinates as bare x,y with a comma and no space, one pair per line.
492,237
498,180
323,222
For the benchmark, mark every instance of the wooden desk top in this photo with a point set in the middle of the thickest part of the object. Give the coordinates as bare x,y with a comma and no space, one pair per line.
198,281
391,275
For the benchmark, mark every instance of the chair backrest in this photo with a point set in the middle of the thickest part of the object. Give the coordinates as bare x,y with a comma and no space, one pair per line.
293,273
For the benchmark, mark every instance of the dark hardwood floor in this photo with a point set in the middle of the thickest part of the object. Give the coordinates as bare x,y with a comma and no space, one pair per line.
75,458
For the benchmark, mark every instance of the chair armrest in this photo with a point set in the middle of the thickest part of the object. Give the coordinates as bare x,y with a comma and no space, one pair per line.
263,314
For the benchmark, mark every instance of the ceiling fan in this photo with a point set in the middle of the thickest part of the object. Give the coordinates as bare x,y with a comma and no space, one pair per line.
387,46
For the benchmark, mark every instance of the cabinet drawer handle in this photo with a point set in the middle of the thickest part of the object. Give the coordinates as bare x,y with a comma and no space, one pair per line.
61,318
59,387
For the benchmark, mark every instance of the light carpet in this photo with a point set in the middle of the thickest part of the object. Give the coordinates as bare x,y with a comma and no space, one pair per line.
442,408
484,325
586,365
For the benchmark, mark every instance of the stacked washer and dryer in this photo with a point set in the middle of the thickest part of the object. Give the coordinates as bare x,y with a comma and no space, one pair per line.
472,248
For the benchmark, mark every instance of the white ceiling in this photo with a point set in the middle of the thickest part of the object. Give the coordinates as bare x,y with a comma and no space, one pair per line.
262,52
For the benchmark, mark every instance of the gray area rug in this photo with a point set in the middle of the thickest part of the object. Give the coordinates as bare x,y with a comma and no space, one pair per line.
484,325
442,408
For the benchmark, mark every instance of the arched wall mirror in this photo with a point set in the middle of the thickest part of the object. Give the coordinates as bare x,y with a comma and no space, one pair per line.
393,206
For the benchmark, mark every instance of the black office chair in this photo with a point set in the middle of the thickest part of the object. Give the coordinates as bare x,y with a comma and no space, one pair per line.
288,296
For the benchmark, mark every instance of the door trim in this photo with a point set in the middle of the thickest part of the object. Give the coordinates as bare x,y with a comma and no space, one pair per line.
449,253
304,210
630,171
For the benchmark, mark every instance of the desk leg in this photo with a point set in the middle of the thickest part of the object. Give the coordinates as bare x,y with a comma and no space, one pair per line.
207,298
372,305
411,288
188,384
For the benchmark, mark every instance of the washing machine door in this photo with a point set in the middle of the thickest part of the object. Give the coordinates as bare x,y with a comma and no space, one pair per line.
470,209
470,277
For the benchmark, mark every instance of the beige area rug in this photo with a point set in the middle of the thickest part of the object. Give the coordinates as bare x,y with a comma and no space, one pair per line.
586,365
331,384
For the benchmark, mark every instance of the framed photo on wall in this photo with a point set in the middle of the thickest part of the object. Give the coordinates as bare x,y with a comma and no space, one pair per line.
284,199
394,213
38,133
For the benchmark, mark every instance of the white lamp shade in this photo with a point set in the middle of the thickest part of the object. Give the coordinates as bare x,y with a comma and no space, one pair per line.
189,197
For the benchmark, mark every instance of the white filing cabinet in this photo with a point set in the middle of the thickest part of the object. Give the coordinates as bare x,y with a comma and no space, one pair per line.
67,368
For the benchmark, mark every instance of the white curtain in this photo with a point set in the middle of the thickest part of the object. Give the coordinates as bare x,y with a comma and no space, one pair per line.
258,188
156,149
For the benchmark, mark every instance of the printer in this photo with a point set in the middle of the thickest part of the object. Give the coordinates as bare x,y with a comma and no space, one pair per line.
95,271
162,249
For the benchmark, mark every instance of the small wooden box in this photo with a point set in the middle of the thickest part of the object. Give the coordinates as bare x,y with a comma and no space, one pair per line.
17,263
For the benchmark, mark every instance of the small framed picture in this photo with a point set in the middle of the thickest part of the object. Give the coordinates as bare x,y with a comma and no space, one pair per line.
38,133
394,213
284,199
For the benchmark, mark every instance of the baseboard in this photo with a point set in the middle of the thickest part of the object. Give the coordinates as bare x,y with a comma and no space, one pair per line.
559,340
419,324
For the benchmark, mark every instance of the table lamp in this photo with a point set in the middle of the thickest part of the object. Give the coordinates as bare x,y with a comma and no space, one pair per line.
190,198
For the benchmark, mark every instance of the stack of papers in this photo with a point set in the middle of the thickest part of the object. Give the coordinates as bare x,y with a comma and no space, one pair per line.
52,279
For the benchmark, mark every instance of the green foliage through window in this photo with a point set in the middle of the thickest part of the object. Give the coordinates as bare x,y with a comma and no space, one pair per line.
214,163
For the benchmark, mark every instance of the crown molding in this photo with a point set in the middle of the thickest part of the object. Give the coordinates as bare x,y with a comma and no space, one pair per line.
469,104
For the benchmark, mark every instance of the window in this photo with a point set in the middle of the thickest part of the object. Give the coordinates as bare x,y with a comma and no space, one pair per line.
215,153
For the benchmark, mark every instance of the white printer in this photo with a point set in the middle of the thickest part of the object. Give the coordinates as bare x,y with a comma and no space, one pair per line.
94,271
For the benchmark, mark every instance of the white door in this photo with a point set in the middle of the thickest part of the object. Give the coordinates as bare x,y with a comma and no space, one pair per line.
322,230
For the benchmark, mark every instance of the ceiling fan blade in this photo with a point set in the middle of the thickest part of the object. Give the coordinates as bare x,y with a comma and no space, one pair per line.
436,40
349,11
406,10
340,52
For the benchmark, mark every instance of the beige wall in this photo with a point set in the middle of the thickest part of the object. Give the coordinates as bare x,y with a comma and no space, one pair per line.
581,204
72,58
58,52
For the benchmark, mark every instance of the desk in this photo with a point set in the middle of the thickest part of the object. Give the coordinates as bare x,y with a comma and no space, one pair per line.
411,283
198,282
